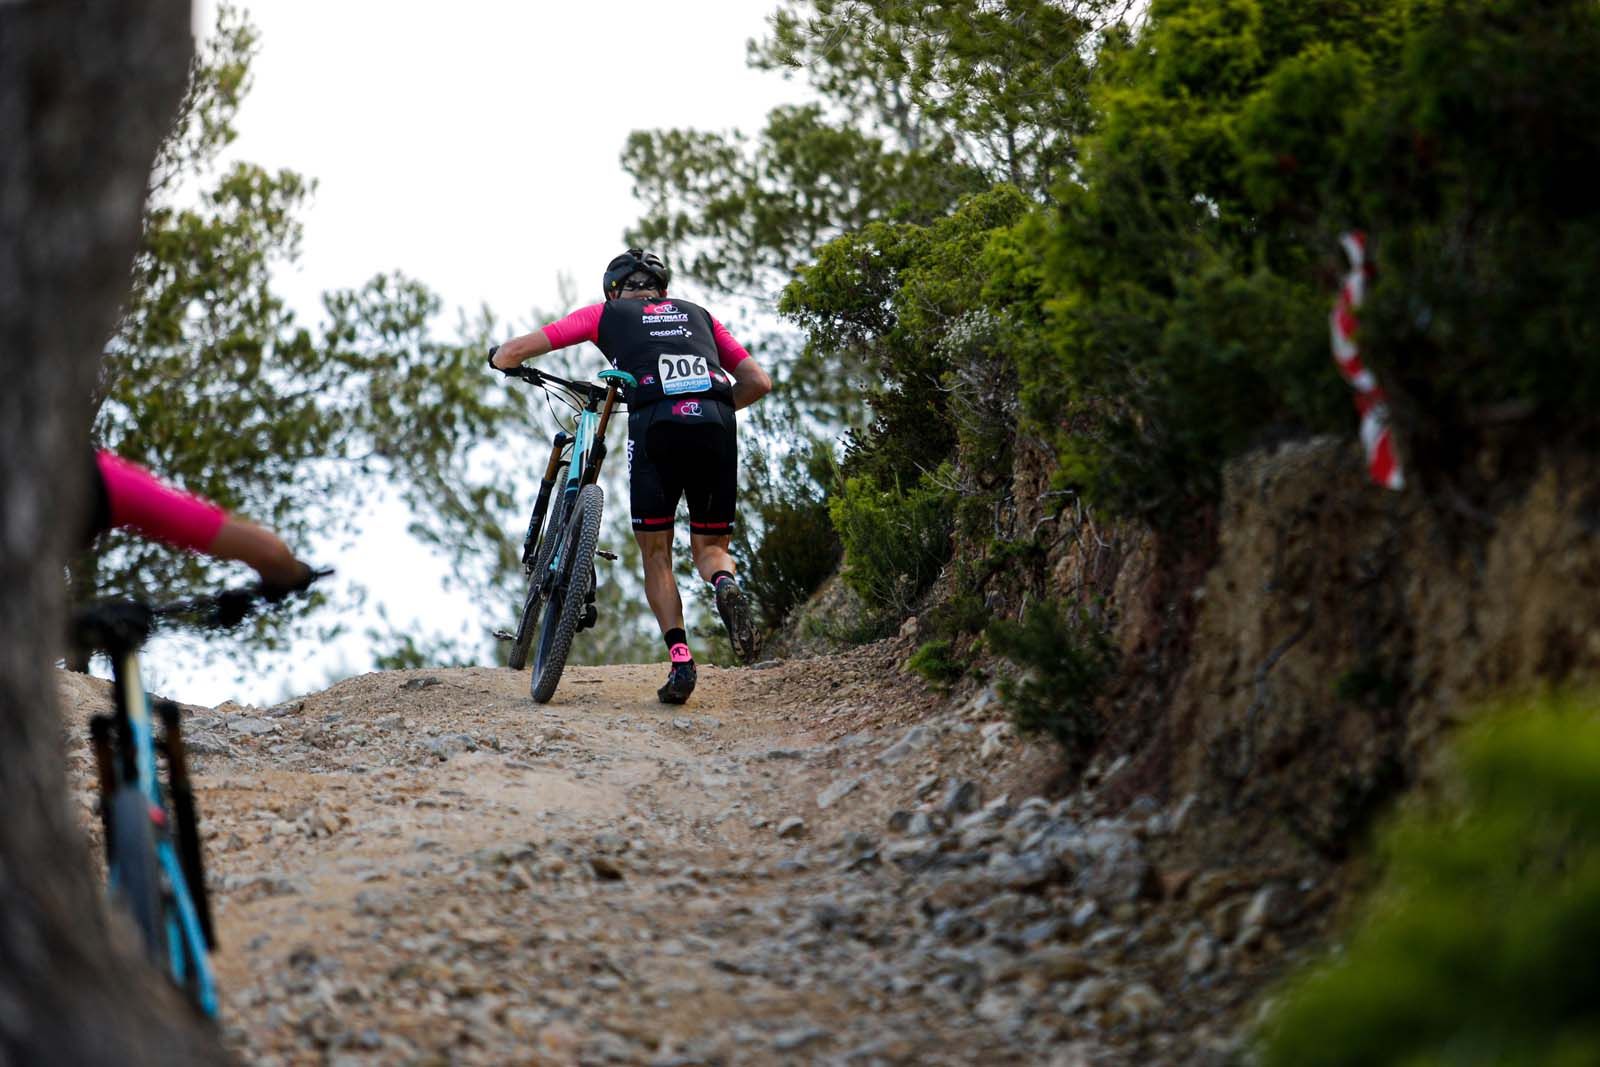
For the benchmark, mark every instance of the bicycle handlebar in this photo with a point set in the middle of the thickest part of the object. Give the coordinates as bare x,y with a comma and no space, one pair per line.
125,622
535,376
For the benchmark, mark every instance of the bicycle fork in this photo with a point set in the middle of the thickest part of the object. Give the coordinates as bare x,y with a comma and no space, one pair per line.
530,543
190,860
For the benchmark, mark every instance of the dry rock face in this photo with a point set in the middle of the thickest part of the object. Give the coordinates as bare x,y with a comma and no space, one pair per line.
1293,660
427,868
1345,628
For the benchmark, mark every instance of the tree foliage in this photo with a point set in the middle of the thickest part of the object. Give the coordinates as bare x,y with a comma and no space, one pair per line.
1151,297
1186,297
739,214
922,108
211,381
1188,274
905,301
1472,175
921,103
1002,86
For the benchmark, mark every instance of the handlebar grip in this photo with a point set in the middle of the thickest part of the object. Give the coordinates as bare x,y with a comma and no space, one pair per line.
273,594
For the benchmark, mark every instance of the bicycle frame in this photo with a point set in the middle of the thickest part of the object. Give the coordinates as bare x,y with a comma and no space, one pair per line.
585,449
172,910
188,934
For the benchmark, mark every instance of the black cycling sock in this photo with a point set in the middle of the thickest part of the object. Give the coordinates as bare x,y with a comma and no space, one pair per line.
675,636
716,579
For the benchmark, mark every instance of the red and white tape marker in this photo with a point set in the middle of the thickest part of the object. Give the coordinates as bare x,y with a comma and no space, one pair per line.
1375,435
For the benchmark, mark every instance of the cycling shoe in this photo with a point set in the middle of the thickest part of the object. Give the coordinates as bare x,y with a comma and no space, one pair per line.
734,607
680,683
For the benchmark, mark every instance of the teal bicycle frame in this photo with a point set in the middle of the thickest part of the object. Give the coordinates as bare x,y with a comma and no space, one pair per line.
584,459
187,940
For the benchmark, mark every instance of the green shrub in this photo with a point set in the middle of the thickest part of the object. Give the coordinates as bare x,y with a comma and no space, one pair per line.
935,664
905,302
962,613
1479,945
798,552
790,546
1065,659
1475,179
894,542
1187,277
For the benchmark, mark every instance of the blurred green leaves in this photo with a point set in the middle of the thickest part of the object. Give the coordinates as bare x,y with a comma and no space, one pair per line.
1478,946
212,381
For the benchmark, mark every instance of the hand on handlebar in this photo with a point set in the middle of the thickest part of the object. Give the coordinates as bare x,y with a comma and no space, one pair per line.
273,592
514,371
233,606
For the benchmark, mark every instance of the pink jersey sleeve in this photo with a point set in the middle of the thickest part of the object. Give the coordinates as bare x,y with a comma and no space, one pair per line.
729,352
141,502
582,325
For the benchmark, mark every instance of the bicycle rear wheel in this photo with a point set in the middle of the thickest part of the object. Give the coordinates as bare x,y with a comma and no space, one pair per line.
567,598
528,621
135,871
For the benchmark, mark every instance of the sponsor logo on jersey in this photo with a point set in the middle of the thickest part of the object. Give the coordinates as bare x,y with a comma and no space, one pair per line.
648,379
676,331
665,311
686,407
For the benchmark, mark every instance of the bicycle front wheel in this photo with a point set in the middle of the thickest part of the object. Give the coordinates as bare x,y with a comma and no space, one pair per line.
570,590
135,872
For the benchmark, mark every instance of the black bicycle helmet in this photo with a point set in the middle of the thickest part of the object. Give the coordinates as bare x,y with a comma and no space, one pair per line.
636,261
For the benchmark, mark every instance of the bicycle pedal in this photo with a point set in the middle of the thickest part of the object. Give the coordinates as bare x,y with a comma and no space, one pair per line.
603,554
501,635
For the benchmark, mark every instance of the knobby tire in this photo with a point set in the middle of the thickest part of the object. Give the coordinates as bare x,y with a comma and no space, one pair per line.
135,870
566,605
528,621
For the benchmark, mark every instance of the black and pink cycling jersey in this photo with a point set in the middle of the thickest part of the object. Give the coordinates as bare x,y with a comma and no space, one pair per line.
584,325
682,441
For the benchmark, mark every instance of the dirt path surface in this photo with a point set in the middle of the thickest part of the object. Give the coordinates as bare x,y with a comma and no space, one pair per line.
800,866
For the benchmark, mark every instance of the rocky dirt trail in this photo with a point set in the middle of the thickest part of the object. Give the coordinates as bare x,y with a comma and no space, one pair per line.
816,862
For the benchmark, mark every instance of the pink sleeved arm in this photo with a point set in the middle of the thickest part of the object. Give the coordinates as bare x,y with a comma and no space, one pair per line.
141,502
582,325
729,352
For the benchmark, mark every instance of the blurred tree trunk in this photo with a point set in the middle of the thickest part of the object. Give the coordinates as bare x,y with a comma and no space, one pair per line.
87,90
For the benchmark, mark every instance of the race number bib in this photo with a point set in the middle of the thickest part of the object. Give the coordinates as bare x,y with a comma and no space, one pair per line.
684,374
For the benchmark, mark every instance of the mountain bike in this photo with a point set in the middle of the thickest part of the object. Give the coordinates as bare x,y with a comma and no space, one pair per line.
563,533
152,832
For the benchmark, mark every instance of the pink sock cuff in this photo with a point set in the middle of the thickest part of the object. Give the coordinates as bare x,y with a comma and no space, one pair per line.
680,654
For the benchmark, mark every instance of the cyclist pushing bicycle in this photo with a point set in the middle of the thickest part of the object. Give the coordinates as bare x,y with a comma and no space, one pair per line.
682,436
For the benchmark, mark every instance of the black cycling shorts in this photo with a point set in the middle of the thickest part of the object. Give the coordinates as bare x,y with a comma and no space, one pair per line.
683,448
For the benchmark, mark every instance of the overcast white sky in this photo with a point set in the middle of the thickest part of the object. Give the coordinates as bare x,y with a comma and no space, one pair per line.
473,147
